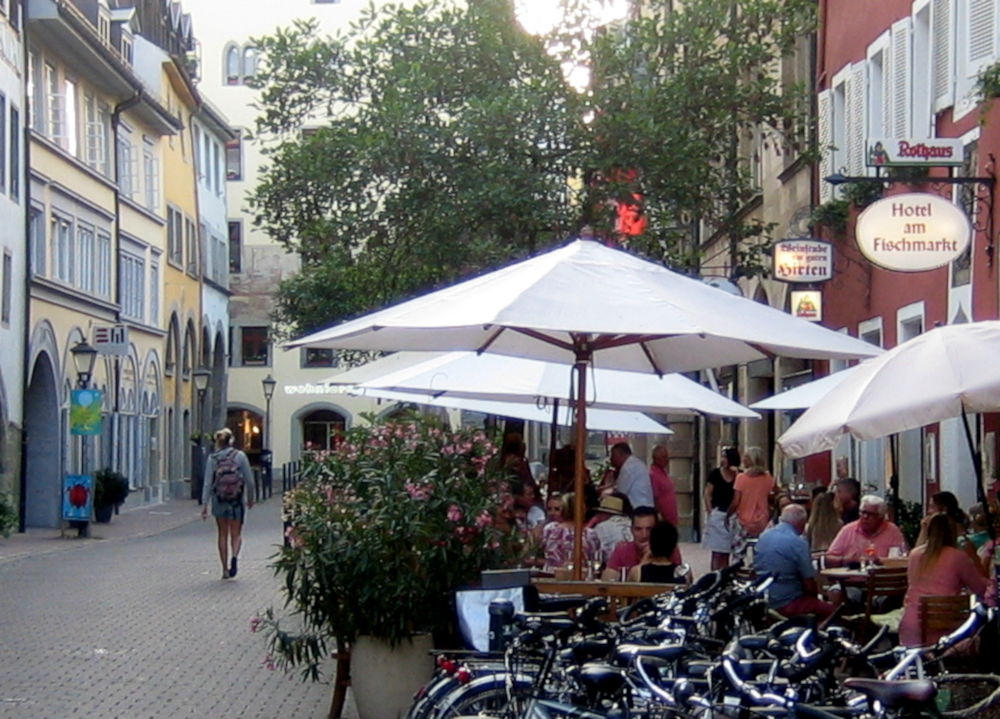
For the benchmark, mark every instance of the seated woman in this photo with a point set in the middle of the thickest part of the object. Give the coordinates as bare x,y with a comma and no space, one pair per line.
557,538
657,565
935,568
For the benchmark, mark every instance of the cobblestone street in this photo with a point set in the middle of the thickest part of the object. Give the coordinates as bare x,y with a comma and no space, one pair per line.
136,627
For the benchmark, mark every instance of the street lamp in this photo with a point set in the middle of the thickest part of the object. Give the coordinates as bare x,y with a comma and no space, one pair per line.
268,384
84,357
201,378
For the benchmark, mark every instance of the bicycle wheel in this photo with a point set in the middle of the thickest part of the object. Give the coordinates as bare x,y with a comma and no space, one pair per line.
486,696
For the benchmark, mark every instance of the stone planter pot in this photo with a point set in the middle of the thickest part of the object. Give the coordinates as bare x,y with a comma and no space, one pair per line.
384,679
103,512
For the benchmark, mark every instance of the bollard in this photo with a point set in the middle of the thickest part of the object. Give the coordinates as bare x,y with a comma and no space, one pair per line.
501,624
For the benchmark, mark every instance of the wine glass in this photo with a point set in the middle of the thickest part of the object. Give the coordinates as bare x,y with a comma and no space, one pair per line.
596,565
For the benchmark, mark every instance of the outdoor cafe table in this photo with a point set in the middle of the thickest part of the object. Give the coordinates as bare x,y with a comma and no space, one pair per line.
859,576
620,594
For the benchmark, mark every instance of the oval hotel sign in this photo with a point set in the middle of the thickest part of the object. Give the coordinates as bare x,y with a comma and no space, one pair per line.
913,232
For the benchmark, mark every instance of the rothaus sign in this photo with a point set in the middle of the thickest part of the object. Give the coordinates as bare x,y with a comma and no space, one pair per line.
913,232
802,260
910,151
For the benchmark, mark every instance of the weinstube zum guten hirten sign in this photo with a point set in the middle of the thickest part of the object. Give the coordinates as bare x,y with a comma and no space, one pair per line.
913,232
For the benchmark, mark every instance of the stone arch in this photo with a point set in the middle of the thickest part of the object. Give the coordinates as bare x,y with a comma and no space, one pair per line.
295,426
44,429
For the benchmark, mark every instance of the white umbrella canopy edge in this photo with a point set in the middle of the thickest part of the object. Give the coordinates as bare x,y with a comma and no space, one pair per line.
804,395
603,420
500,378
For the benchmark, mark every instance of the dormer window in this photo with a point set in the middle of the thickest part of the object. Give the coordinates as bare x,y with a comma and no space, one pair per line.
126,48
104,24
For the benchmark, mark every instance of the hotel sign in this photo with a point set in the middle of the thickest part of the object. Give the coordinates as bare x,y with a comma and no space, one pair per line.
913,232
925,152
802,260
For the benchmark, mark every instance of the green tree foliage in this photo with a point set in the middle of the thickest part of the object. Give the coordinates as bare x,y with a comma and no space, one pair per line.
444,140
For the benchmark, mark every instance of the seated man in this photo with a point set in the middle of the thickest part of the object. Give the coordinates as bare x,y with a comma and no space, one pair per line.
629,554
871,536
783,553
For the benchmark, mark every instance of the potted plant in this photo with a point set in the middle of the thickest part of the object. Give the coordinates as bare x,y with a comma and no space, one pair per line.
110,491
381,530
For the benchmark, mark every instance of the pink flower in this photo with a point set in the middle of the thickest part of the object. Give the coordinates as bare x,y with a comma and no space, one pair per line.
269,663
454,513
418,492
484,520
255,624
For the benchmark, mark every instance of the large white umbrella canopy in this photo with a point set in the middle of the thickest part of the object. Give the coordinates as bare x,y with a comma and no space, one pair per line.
588,300
805,395
604,420
495,377
589,304
943,373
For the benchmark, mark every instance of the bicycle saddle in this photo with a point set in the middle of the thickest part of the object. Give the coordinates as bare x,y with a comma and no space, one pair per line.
894,694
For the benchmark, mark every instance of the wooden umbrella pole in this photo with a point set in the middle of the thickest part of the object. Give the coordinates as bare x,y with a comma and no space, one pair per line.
977,465
553,433
580,478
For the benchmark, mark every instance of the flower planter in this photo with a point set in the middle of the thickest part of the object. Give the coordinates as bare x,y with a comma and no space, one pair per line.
103,512
384,679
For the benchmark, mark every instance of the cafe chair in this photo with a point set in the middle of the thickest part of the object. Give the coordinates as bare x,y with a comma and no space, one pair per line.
884,592
941,614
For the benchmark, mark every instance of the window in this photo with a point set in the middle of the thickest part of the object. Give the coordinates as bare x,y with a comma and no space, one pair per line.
15,154
321,428
36,91
175,236
249,63
127,47
56,127
126,163
236,246
318,357
8,281
198,157
191,244
150,175
232,65
216,168
154,291
253,346
98,131
133,282
942,54
62,248
36,236
104,25
86,248
234,159
70,141
104,264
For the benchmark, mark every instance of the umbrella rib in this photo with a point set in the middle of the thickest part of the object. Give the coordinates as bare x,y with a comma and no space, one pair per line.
652,360
541,337
493,338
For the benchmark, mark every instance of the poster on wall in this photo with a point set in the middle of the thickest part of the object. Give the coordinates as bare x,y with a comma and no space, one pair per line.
807,304
77,497
85,411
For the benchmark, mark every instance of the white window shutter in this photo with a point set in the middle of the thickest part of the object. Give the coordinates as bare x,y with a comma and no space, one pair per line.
824,139
856,114
981,39
888,106
902,81
942,54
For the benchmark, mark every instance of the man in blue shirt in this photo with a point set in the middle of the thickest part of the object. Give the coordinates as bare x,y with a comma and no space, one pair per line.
783,553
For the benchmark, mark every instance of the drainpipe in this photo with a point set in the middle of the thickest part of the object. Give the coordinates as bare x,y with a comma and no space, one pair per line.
26,189
115,121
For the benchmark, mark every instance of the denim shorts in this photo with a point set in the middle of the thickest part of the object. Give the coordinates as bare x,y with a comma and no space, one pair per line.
228,508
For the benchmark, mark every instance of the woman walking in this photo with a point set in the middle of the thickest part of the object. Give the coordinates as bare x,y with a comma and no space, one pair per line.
718,497
751,500
230,486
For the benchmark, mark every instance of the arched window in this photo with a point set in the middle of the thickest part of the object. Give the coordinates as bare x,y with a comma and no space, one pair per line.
249,62
320,428
231,64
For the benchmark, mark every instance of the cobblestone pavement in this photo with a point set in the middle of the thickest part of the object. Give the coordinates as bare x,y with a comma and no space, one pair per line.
138,627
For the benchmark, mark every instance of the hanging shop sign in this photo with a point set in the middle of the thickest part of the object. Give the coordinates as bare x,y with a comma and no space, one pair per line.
111,339
77,496
802,260
85,417
807,304
913,232
911,151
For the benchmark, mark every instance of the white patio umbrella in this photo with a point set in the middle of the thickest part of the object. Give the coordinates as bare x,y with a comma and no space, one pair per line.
943,373
605,420
805,395
494,377
588,304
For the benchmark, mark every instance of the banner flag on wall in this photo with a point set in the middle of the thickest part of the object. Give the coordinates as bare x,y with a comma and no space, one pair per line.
85,411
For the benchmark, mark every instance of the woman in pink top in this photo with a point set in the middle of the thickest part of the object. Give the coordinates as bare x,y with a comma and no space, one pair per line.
557,538
936,568
751,493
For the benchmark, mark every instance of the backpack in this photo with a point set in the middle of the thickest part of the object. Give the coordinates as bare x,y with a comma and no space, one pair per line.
228,477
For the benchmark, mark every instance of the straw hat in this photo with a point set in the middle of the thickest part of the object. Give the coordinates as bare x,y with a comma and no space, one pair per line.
611,505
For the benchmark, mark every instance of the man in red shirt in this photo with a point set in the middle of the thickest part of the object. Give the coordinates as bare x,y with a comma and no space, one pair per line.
628,554
871,536
664,492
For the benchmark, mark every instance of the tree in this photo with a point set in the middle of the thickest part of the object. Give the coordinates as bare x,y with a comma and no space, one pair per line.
447,141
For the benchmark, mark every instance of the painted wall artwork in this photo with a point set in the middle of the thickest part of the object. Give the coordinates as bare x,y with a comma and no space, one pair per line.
77,497
85,411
